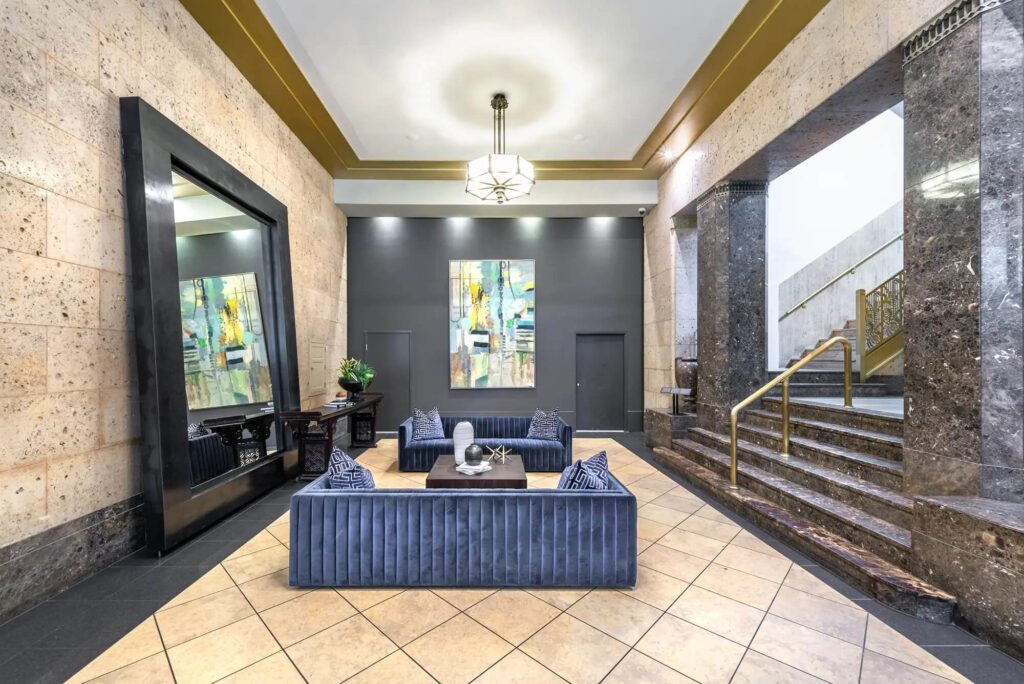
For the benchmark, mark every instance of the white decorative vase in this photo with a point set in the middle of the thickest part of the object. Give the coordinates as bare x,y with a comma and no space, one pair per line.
462,437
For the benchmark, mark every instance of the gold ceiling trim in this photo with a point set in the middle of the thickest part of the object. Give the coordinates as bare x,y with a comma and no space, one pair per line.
760,31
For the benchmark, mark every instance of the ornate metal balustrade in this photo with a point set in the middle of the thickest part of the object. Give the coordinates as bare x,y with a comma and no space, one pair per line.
880,325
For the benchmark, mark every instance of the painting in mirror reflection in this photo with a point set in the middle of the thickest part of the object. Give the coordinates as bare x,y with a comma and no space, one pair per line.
223,342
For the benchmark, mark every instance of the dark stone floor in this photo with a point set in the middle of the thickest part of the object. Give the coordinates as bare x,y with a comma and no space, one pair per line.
57,638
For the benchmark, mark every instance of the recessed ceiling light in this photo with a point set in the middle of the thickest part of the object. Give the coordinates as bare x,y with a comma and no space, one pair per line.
668,155
413,137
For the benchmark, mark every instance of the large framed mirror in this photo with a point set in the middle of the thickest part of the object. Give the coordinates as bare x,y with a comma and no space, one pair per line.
214,316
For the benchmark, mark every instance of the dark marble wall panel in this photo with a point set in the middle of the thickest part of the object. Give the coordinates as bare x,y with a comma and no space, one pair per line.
974,548
1002,180
34,569
730,308
964,373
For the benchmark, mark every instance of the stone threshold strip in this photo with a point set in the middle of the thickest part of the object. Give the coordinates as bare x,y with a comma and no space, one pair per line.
740,605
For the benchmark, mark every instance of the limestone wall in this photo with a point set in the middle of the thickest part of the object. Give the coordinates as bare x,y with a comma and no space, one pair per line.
846,37
67,372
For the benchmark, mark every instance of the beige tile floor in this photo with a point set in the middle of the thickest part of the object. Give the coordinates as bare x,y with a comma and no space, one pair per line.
713,603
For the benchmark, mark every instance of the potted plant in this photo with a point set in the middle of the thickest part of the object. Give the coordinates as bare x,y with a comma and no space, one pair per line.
355,376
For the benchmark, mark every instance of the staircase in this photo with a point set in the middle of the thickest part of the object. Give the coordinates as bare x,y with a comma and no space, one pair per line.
832,360
836,496
823,377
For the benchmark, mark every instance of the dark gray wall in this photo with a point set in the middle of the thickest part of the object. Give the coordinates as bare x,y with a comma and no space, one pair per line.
589,279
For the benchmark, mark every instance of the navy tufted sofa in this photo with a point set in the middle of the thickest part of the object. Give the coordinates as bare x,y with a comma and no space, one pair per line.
508,431
462,537
208,457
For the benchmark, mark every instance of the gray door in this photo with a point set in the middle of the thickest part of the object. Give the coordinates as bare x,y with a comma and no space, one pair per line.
390,353
600,382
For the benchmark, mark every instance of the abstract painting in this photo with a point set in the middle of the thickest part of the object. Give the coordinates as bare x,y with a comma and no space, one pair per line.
491,323
222,338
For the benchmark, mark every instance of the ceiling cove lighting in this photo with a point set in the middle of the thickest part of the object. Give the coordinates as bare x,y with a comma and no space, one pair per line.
499,177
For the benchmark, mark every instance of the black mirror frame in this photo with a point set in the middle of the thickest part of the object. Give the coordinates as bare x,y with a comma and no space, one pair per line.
151,146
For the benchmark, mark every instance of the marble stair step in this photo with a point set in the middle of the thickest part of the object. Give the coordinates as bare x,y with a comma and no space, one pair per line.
881,471
855,417
881,537
855,439
820,389
860,567
836,377
869,497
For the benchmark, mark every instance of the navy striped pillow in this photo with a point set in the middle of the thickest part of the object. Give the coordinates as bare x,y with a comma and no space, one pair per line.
197,430
544,425
427,425
344,473
589,474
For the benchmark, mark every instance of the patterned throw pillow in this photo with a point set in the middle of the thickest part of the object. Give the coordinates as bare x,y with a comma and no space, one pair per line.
426,425
589,474
197,430
344,473
544,425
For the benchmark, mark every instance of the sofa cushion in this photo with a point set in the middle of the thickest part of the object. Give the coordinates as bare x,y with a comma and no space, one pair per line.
544,425
591,473
197,430
345,473
426,425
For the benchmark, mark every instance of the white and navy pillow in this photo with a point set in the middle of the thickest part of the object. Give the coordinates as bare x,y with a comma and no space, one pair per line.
344,473
589,474
544,425
426,425
197,430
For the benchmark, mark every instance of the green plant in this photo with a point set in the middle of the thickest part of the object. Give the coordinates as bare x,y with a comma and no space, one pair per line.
357,371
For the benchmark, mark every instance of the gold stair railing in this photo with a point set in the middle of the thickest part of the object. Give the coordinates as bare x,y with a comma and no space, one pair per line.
880,335
783,379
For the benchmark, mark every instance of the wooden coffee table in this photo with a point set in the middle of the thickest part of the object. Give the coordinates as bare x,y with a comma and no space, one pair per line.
508,475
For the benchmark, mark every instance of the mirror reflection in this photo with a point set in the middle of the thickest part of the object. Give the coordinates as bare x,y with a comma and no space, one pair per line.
227,364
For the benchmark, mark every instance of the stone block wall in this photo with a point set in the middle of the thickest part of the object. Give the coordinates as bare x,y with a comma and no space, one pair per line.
67,372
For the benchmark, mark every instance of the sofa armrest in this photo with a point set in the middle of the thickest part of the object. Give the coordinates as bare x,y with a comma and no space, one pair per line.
405,433
565,436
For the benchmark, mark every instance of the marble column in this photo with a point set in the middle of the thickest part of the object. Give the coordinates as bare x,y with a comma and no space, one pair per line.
731,298
964,119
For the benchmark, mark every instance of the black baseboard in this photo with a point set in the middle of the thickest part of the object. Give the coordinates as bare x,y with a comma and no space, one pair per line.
45,564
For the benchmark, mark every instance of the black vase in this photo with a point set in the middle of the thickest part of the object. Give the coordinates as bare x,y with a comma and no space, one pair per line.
353,387
474,454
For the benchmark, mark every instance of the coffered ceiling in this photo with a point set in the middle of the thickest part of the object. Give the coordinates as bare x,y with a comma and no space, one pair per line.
400,89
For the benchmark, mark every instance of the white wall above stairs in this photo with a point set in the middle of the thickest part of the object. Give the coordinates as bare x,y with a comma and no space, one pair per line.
824,200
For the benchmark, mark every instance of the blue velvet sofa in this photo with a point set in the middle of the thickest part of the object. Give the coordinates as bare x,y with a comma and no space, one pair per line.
509,431
208,457
462,537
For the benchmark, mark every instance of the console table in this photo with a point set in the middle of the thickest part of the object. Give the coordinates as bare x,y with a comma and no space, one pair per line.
314,431
231,430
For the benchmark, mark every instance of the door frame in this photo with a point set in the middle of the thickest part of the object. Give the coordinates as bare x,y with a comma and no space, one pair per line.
625,376
366,347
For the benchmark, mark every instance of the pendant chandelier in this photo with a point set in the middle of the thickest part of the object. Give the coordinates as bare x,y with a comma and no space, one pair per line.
499,177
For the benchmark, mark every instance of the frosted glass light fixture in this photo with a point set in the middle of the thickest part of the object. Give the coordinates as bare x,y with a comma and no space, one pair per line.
499,177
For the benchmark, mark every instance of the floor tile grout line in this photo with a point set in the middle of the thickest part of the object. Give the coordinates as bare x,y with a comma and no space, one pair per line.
267,627
163,645
919,669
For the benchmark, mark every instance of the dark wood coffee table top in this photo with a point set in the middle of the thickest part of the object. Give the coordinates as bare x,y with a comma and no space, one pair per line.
508,475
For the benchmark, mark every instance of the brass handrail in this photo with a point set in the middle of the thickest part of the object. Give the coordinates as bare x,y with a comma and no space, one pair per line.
842,275
784,379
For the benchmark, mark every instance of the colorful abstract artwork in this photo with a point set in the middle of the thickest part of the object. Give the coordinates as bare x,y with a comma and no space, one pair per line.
226,362
491,323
